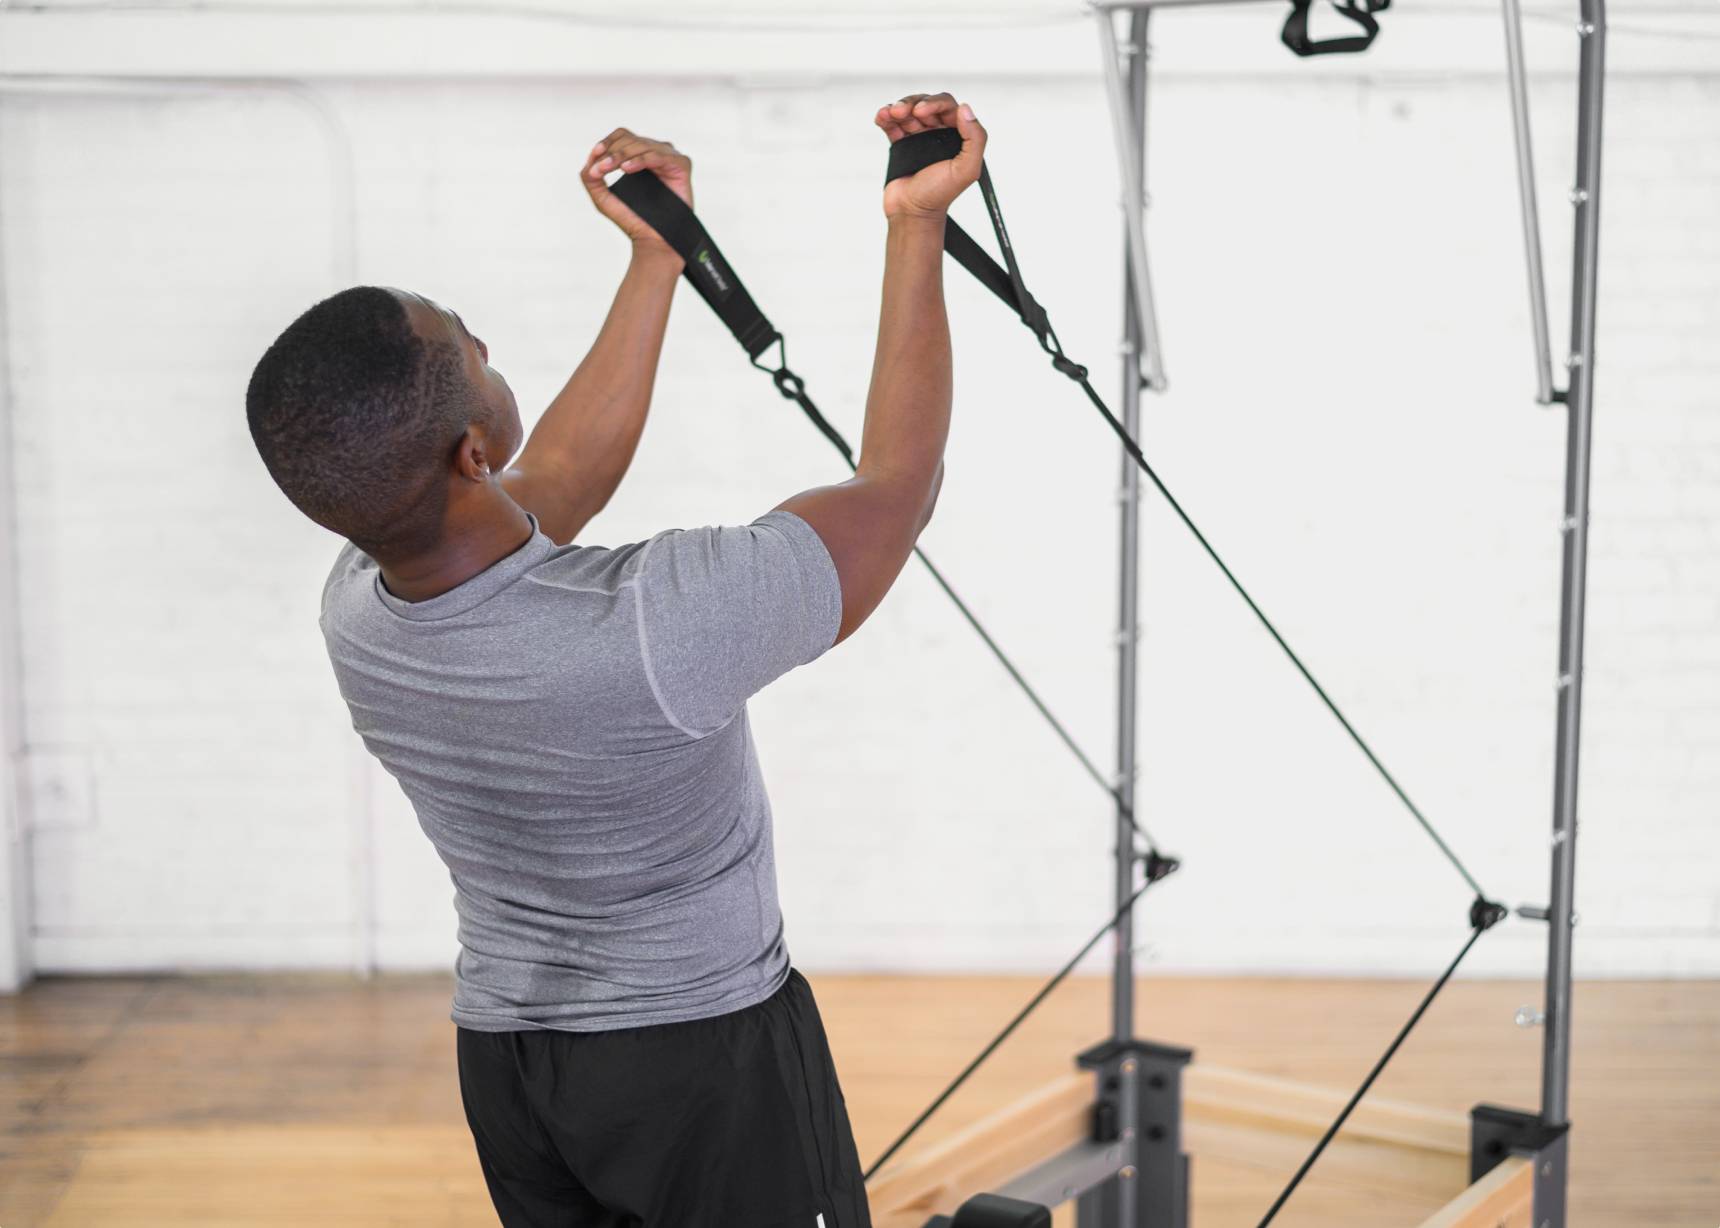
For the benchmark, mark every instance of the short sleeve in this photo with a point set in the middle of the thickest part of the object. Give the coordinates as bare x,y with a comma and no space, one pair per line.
725,611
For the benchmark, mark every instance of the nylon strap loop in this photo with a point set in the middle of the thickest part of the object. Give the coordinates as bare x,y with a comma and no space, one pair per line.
913,154
1295,32
711,275
670,217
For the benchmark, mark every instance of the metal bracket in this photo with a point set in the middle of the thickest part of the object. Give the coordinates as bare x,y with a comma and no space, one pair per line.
1495,1133
1158,865
1139,1103
1484,913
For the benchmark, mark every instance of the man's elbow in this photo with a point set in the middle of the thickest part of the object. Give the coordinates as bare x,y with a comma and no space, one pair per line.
931,504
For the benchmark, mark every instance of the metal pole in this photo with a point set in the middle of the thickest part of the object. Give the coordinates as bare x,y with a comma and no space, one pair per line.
1556,1060
1519,82
1128,574
17,959
1127,120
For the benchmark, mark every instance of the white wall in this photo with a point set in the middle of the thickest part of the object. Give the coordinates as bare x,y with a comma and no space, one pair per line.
1351,419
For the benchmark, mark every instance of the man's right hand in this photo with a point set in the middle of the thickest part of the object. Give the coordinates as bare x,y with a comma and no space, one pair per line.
869,523
930,192
626,151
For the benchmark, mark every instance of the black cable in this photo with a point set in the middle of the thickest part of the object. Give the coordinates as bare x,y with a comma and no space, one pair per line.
717,283
793,388
1391,1051
1123,808
912,153
1157,869
722,291
1135,453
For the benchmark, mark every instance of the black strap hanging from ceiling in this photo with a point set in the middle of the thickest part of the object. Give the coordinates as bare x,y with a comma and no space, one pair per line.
1295,32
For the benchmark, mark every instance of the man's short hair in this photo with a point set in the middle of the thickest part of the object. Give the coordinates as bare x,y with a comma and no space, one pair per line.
356,417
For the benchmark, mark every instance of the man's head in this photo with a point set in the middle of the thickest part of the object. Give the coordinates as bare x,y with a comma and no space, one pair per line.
374,411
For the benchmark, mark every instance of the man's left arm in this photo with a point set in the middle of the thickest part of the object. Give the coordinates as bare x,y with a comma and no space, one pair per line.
580,449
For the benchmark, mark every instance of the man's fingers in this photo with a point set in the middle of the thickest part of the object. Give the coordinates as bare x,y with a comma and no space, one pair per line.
885,120
935,108
968,161
917,113
628,147
627,151
902,113
596,164
651,160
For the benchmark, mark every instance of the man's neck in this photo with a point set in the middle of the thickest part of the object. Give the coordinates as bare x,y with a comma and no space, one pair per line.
475,540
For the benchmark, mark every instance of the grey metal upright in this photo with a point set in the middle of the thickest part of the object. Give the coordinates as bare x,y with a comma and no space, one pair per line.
1579,408
1496,1132
1139,1084
1129,564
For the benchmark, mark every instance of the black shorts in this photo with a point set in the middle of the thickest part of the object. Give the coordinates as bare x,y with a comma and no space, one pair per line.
734,1121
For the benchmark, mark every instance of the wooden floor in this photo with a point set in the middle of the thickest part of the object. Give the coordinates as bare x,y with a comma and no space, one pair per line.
324,1100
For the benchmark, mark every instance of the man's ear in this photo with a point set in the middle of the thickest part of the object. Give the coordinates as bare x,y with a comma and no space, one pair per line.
472,455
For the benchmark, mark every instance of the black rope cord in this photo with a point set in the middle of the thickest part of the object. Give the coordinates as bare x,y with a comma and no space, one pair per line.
716,282
793,388
911,154
1483,916
1157,868
1135,453
908,156
718,285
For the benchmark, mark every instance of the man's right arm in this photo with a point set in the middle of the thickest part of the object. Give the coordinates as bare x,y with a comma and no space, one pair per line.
870,523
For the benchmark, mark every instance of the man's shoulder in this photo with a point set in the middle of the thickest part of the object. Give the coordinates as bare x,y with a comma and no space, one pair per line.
664,556
351,566
595,569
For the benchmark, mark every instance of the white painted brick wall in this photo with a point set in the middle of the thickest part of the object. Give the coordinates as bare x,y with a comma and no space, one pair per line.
1351,419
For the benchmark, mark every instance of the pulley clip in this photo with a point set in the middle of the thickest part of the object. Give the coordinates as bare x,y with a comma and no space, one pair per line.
1159,866
789,384
1069,367
1484,913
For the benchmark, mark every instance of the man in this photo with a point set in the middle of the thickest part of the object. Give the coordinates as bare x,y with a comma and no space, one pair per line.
570,725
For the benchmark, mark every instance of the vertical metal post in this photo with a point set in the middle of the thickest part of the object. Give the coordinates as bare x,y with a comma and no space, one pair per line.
1126,94
16,908
1517,76
1556,1060
1128,578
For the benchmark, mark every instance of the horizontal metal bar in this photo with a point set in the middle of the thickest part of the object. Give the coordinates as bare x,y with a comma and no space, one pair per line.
1119,5
1068,1174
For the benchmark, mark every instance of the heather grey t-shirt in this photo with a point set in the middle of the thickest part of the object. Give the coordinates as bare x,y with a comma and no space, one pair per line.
570,726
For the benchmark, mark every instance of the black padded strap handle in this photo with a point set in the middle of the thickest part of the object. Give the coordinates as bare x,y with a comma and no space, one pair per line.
914,153
711,275
1295,32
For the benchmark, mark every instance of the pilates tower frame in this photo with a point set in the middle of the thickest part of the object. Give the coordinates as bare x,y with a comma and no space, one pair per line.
1117,1150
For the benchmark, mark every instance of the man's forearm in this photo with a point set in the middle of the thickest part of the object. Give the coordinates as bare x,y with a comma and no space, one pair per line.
908,406
869,524
581,447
